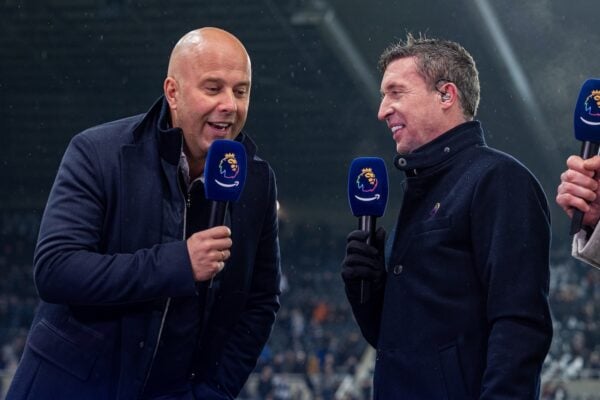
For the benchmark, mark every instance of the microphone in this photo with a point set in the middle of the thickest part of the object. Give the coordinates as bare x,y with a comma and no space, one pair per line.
367,194
224,178
586,122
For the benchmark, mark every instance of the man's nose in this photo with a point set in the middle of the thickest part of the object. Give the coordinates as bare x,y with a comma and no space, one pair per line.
384,110
228,102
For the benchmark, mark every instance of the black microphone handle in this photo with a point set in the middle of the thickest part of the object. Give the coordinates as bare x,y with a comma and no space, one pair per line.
217,213
366,223
588,150
216,218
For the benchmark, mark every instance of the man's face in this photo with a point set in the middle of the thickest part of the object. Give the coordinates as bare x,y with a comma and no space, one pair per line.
410,108
211,98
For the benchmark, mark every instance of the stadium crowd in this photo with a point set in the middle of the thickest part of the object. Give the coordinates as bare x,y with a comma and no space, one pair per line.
316,350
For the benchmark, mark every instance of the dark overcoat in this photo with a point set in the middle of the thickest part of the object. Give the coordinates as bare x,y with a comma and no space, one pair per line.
464,313
111,253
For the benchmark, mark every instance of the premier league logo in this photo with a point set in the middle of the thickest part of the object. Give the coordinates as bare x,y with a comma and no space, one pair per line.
592,108
367,186
367,183
229,170
225,170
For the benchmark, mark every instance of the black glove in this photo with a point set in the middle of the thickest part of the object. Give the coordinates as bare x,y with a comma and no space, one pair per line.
364,262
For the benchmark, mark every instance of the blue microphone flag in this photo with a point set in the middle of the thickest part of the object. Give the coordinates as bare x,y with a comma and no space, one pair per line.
367,187
225,170
587,112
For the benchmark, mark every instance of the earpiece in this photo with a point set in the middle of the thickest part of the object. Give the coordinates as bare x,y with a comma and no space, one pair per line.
445,96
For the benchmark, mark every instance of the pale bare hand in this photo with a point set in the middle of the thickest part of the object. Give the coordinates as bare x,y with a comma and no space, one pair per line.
580,188
208,250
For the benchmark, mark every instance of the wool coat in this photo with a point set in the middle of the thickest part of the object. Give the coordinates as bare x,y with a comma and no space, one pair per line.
586,247
111,253
463,313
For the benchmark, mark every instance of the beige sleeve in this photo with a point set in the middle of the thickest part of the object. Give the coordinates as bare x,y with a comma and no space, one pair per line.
587,250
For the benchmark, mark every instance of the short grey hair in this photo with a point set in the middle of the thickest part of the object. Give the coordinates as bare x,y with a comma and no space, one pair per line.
439,61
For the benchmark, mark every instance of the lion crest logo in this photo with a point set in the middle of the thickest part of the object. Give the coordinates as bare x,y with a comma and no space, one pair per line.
592,103
228,166
367,181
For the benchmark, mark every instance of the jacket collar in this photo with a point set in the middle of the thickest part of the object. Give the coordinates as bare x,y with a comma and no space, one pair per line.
441,148
170,139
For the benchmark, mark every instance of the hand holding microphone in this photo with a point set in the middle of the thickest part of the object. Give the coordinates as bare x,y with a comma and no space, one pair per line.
208,250
363,267
579,190
224,179
578,186
364,263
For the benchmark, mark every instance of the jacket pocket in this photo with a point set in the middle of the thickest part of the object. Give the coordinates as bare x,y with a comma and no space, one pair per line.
404,375
433,224
452,373
224,316
75,348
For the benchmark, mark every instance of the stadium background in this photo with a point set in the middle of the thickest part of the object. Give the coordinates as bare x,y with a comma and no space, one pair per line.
70,64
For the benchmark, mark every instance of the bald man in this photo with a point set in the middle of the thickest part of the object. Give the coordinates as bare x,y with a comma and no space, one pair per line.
125,254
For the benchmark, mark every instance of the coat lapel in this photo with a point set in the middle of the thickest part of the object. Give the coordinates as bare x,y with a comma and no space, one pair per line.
141,198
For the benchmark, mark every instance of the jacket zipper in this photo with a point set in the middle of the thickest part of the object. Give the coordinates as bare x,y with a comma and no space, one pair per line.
187,200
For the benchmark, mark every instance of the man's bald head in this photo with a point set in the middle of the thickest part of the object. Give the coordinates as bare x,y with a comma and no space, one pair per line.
203,41
208,90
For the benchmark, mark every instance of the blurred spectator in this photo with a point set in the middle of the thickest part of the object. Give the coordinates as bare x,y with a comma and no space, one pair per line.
265,387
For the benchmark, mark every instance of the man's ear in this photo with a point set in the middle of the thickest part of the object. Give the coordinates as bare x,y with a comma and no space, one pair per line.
448,93
171,88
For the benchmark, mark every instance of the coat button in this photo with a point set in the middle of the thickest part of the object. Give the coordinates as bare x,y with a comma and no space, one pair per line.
141,344
192,376
398,269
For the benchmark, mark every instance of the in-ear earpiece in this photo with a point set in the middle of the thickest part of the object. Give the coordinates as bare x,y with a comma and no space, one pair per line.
445,96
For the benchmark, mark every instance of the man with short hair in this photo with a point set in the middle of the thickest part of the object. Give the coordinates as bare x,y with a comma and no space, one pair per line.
458,309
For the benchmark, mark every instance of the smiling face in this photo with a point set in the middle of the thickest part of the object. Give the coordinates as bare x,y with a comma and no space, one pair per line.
208,90
413,110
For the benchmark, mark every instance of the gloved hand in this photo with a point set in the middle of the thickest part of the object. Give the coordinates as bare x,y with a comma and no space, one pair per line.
364,262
